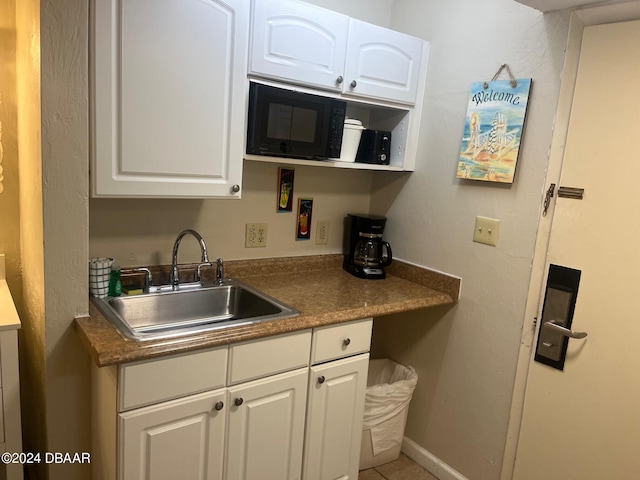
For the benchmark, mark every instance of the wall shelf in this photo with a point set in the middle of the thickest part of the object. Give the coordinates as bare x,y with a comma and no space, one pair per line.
323,163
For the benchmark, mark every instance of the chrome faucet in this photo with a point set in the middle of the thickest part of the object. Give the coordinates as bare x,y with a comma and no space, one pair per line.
174,281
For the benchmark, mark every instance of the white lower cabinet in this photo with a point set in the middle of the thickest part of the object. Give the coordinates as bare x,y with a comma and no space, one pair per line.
334,419
197,416
262,421
266,428
180,439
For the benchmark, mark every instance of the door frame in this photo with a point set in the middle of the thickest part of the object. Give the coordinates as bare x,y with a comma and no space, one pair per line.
580,18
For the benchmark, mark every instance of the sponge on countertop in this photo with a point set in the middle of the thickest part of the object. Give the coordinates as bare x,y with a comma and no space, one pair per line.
132,290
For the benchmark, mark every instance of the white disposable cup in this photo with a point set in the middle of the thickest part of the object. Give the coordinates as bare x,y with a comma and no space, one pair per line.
350,140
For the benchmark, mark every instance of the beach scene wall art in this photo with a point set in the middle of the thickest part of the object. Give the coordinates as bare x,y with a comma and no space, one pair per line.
493,130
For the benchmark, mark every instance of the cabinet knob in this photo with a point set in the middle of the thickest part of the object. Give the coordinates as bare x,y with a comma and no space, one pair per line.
235,188
219,406
339,80
346,342
354,84
321,379
238,401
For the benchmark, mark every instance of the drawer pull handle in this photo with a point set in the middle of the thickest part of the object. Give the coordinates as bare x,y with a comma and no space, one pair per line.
346,342
354,84
339,80
219,406
238,401
321,379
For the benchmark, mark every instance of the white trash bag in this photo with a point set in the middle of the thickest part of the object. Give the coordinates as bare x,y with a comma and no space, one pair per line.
389,390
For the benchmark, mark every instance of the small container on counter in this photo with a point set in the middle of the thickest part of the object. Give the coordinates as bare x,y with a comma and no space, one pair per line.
115,282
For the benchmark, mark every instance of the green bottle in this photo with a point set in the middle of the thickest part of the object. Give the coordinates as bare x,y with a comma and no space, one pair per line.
115,284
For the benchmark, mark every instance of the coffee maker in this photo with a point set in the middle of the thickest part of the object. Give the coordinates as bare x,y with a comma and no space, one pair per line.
367,254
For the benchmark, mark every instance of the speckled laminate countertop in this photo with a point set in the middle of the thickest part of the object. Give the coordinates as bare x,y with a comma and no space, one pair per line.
317,286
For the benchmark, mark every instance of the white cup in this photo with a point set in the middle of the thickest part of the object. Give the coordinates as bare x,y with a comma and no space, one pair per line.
350,140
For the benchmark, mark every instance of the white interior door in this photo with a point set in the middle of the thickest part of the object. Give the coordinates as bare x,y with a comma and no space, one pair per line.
583,423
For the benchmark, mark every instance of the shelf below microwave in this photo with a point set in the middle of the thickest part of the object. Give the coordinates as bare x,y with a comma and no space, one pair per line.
324,163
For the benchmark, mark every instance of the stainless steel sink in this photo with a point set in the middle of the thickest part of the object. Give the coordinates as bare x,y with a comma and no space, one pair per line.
190,310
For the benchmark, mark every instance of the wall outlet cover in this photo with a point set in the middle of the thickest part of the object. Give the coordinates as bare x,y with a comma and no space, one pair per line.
255,235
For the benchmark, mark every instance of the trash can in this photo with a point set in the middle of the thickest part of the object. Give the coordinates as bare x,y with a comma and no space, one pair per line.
389,390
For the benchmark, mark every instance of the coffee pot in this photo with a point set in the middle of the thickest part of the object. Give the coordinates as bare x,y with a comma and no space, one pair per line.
367,253
372,252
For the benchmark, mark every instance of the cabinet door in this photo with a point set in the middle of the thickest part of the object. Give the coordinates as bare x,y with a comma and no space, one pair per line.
334,419
181,439
382,63
168,97
299,43
266,428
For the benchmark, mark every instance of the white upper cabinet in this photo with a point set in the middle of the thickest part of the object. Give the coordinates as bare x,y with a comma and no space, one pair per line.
168,102
382,63
294,41
298,43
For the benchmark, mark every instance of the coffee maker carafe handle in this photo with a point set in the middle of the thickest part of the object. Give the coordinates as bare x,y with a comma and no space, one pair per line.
386,259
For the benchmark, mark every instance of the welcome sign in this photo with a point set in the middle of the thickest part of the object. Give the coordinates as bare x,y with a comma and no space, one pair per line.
493,130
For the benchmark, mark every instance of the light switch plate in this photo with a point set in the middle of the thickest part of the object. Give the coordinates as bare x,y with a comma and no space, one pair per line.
487,231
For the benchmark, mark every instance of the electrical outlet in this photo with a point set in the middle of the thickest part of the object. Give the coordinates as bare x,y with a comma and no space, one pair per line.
255,235
322,232
487,231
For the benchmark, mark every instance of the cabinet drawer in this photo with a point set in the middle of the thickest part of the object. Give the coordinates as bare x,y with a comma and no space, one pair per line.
342,340
259,358
153,381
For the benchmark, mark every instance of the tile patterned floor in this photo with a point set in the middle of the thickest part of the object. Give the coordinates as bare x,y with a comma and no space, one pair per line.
401,469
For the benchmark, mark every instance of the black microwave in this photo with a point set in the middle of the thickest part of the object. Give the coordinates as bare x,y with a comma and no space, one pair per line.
287,123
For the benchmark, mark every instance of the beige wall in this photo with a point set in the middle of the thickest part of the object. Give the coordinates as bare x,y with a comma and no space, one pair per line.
10,196
21,206
66,225
32,305
377,12
142,232
466,356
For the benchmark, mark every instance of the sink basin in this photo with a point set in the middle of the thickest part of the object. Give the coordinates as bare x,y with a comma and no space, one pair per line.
190,310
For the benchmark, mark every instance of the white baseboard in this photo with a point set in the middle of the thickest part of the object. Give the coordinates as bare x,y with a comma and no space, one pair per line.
429,462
